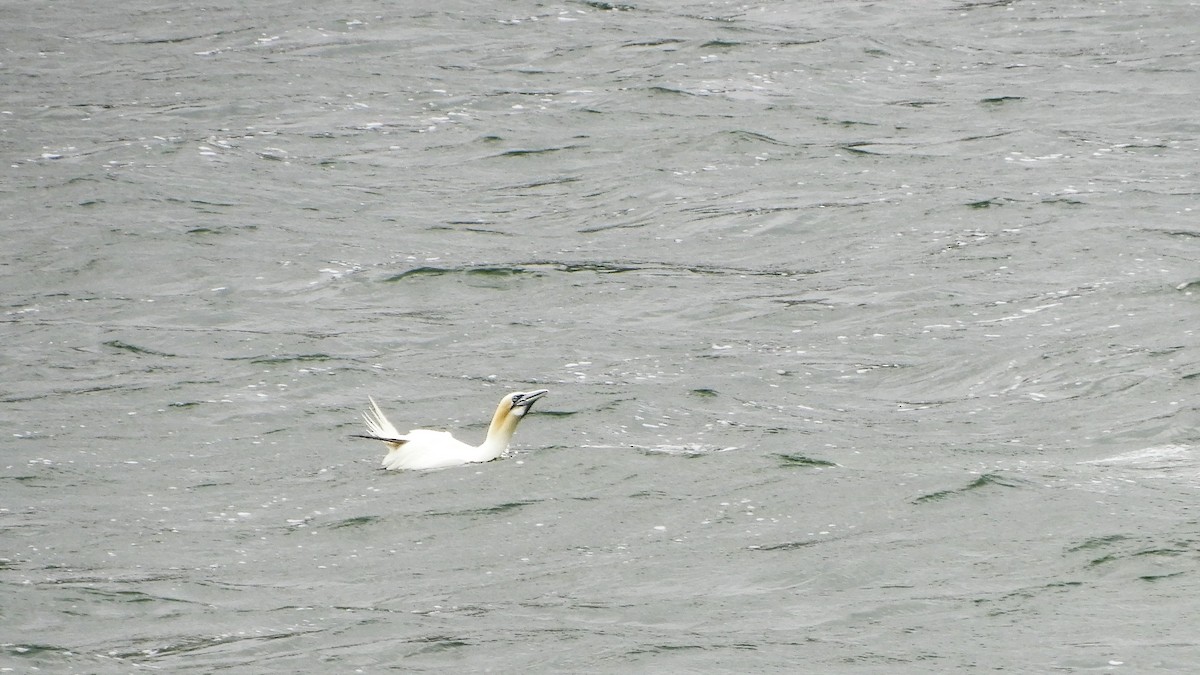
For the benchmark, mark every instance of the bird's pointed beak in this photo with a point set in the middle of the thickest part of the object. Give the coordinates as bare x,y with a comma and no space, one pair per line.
523,403
529,397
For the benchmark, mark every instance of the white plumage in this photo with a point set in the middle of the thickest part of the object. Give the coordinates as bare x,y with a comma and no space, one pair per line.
427,449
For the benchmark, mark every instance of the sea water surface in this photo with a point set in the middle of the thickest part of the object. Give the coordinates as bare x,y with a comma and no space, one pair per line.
870,331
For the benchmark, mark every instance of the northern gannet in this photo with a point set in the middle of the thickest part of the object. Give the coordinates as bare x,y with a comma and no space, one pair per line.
427,449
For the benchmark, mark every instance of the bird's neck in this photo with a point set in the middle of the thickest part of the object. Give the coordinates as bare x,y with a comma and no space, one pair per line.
500,432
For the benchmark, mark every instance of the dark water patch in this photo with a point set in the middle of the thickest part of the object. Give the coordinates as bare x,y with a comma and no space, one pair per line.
1000,100
757,209
987,203
456,610
671,91
607,6
703,393
792,302
435,644
129,596
648,494
752,137
81,390
716,270
803,42
420,272
787,545
720,44
654,42
1066,201
91,580
1027,593
1161,552
207,330
917,103
487,272
360,608
1191,234
984,481
539,183
274,360
495,272
194,644
1093,543
162,40
603,268
983,4
868,367
1165,351
1102,560
658,649
861,148
206,203
134,349
847,123
357,521
794,461
236,228
205,486
34,650
1150,554
476,225
485,510
603,227
766,209
1159,577
531,152
660,266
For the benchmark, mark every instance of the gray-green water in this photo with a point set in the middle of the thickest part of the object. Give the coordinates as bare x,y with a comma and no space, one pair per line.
870,330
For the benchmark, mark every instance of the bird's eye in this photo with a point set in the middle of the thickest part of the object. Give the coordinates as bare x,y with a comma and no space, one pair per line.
516,399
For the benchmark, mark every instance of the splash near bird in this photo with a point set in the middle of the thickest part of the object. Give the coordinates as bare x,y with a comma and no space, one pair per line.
427,449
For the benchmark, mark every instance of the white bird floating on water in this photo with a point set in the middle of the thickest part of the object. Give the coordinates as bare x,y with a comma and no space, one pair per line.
427,449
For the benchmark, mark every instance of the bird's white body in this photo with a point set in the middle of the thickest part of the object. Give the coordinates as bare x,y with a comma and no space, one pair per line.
428,449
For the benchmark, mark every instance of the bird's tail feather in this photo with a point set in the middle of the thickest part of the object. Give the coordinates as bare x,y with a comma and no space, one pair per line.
377,424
